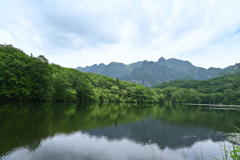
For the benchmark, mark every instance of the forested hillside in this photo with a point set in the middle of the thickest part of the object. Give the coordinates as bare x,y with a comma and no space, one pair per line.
29,78
149,73
220,90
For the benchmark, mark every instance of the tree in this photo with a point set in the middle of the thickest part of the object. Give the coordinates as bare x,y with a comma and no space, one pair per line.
41,76
62,88
114,89
15,82
117,83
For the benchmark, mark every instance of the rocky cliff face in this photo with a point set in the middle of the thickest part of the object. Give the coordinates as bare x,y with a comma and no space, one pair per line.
232,70
149,73
236,66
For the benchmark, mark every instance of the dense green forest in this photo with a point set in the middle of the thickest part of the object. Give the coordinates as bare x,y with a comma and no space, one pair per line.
29,78
220,90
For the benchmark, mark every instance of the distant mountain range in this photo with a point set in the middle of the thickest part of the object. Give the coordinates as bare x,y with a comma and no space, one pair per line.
149,73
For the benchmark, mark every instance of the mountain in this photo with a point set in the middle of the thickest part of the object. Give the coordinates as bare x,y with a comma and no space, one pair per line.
149,73
232,70
114,69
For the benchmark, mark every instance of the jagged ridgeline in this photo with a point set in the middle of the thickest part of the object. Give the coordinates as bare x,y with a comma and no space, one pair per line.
29,78
233,70
153,73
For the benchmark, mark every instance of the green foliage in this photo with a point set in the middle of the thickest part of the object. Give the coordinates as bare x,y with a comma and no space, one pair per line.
236,153
27,78
221,90
23,77
63,89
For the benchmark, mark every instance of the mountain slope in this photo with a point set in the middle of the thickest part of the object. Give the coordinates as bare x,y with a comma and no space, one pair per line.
232,70
114,69
149,73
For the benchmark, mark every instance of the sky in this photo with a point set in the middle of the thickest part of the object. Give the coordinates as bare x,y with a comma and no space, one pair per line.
75,33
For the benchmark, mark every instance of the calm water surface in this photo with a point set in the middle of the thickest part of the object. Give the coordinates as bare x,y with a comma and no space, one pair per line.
112,131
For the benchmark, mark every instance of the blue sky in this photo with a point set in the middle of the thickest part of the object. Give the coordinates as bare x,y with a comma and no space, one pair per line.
75,33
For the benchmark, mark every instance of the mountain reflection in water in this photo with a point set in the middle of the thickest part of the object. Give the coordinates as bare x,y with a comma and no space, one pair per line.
112,131
84,146
163,134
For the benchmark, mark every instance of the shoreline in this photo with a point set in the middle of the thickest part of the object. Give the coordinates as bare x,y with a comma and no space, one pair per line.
210,105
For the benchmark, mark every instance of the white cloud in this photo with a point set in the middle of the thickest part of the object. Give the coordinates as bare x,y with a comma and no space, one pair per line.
79,33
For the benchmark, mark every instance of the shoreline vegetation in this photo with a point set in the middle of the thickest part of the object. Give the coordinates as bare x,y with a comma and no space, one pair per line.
33,79
218,105
214,106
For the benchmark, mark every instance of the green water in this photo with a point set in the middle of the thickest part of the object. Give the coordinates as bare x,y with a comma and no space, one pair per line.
113,131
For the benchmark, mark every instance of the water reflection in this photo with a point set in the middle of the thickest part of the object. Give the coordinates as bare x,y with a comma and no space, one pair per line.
84,146
112,131
161,133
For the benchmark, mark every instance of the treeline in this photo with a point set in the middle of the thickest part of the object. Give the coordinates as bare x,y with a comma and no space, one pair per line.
29,78
220,90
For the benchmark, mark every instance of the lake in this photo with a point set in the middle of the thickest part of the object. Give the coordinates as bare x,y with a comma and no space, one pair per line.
114,131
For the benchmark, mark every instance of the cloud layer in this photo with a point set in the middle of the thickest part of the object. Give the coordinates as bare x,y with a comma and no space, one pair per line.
78,33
